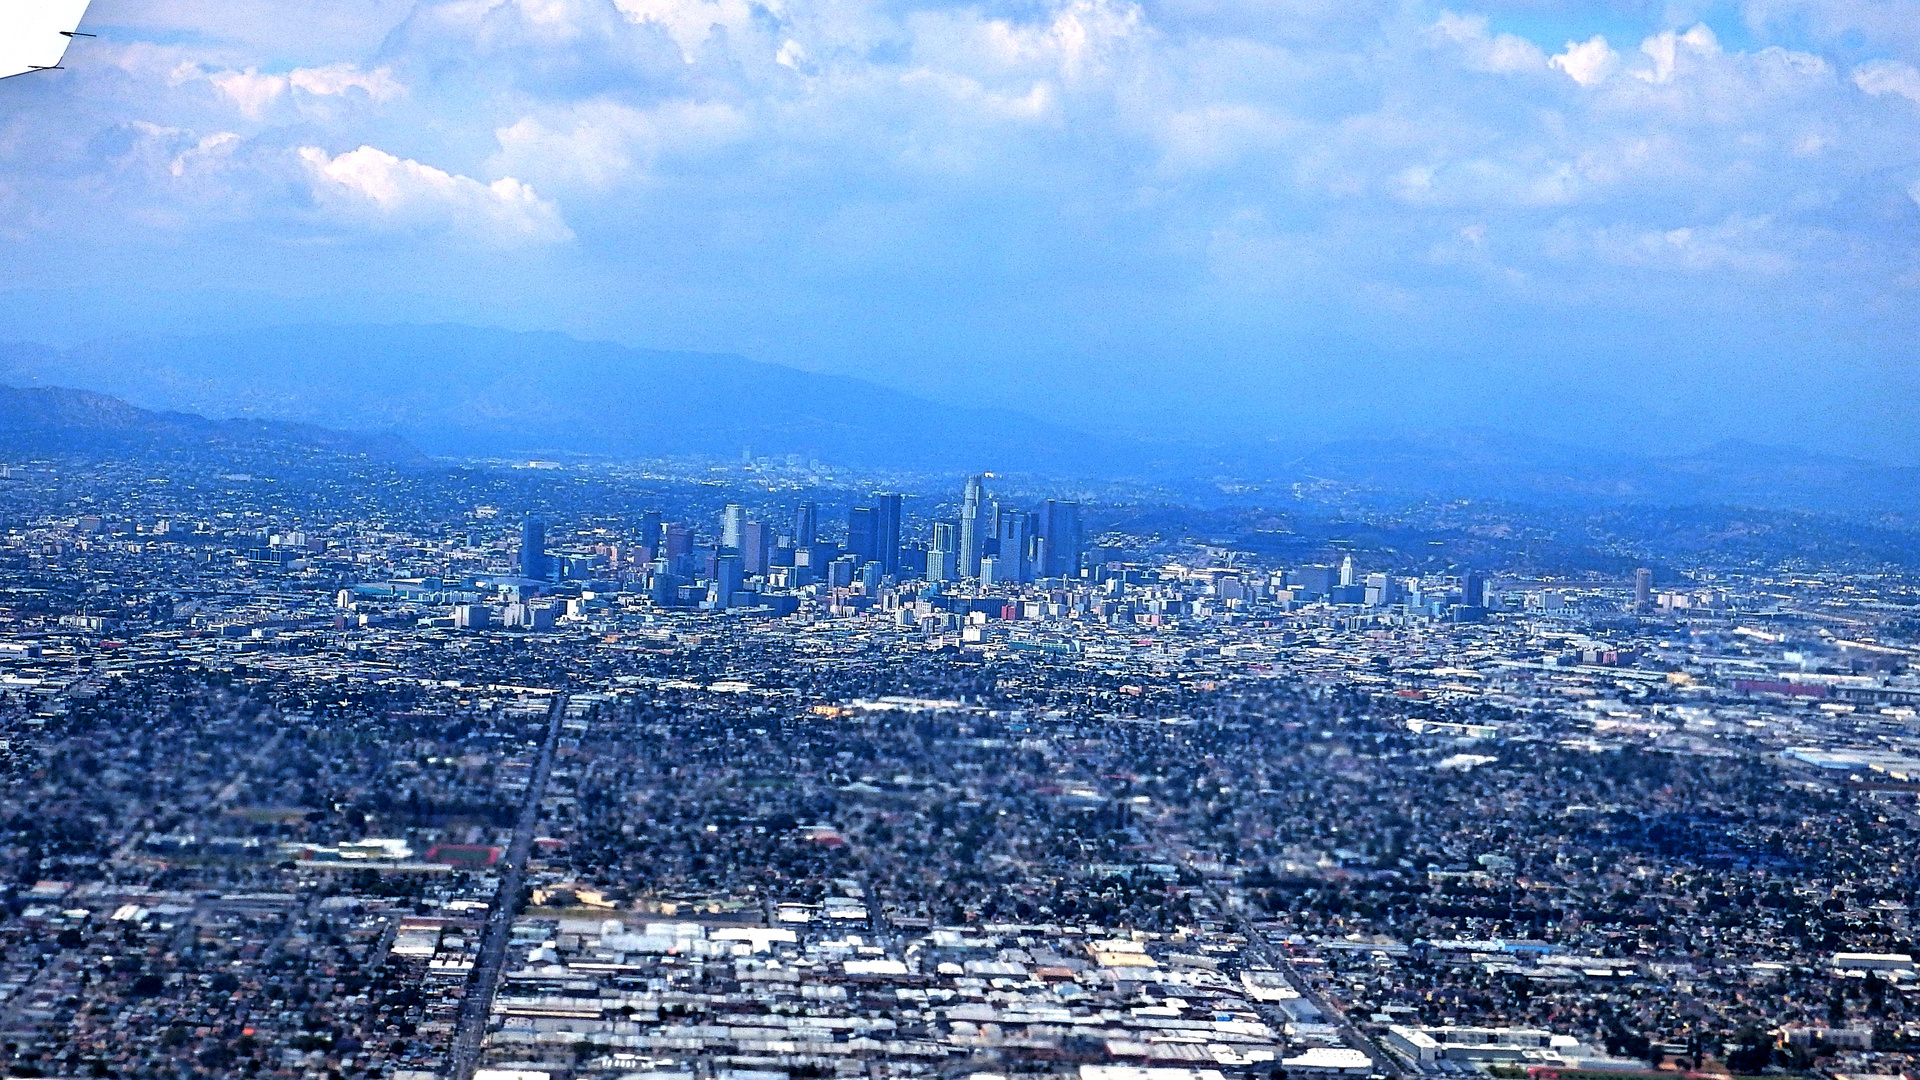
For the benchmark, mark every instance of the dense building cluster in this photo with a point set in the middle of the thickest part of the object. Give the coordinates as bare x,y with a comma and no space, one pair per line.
439,777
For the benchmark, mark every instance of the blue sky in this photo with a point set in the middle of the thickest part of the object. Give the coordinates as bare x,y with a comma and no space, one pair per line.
1629,224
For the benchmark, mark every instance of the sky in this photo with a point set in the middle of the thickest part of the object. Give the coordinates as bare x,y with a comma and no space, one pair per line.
1627,224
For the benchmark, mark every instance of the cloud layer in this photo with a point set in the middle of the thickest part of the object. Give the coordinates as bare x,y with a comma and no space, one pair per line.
1269,217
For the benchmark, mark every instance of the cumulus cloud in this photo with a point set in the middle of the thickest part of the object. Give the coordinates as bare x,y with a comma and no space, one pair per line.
691,22
1667,49
1503,54
251,91
1587,62
377,188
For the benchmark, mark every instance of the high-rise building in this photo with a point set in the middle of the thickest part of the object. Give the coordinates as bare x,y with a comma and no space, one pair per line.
886,533
1346,571
1015,533
726,580
754,545
862,533
676,547
943,552
1473,588
677,542
1643,588
662,587
648,547
533,548
1382,590
1314,581
841,570
732,520
806,524
1060,538
973,537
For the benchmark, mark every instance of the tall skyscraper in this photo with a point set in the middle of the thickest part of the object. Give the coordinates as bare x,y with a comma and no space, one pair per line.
862,533
1060,538
726,580
1015,559
1643,588
886,533
973,538
677,549
650,523
533,549
1346,571
732,520
806,524
1473,588
754,543
942,553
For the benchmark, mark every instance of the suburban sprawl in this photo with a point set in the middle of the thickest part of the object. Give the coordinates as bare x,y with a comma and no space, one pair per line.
316,766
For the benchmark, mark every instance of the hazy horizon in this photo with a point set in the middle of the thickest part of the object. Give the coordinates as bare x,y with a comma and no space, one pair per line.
268,373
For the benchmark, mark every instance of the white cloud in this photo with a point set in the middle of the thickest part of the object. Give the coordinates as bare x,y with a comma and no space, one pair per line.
380,189
1882,77
339,79
211,151
1078,40
1032,102
691,22
250,91
1589,62
602,144
1500,54
1666,49
253,93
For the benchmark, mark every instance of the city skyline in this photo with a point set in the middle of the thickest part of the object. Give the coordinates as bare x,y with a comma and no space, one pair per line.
316,760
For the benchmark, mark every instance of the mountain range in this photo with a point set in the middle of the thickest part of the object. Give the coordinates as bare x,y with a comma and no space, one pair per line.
465,391
42,420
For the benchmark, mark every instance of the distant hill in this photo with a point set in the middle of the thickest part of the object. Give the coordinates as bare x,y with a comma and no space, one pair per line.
1525,469
462,390
465,391
55,419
